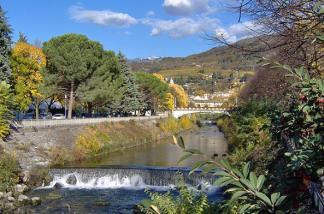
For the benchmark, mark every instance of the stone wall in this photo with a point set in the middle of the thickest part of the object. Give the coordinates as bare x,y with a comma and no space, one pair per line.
32,146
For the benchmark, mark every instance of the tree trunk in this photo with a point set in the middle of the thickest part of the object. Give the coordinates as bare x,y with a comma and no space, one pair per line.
37,109
90,108
71,100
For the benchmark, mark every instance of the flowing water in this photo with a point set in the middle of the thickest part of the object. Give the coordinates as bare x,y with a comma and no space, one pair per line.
115,183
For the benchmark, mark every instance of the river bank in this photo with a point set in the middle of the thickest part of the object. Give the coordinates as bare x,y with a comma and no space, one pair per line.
33,150
116,183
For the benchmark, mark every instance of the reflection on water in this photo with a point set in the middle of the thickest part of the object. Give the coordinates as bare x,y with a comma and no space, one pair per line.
208,140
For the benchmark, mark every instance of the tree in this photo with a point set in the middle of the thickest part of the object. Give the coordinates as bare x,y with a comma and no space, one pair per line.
182,99
27,62
5,102
22,38
72,59
5,43
104,88
153,89
283,30
132,98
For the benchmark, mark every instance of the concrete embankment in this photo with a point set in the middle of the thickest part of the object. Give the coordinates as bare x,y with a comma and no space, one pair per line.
39,147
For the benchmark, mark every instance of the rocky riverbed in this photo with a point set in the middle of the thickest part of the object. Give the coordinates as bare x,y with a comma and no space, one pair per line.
14,201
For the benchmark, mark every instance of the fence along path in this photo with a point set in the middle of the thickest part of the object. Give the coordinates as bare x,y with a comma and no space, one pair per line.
82,121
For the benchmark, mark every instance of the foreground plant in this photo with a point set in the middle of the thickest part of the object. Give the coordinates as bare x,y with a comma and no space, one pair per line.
247,190
188,201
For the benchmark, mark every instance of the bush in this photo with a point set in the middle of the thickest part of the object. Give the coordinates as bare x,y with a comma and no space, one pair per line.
91,142
9,170
185,122
174,126
170,125
186,202
59,156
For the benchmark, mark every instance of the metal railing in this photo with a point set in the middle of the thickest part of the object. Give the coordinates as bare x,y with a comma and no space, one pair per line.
82,121
199,109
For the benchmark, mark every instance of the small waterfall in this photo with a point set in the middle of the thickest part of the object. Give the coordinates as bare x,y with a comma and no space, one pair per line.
118,177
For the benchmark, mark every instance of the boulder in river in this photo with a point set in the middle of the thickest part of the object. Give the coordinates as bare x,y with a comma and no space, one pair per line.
23,199
36,201
21,188
72,180
58,185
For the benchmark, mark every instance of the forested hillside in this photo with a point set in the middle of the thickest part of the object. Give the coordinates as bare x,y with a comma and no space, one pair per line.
217,59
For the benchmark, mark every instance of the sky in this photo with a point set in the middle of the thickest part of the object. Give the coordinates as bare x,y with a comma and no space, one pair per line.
138,28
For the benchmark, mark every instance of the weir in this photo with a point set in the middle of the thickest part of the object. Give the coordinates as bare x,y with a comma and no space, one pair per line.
118,177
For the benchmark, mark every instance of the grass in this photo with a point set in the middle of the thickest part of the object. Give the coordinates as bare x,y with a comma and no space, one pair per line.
9,170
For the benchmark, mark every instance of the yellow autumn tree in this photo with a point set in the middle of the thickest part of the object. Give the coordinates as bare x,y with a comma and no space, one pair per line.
169,101
159,76
182,99
26,63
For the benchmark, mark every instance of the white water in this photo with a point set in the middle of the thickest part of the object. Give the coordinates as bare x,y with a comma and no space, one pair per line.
115,181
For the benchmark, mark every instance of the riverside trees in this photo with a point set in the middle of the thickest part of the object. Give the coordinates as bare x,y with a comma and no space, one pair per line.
26,63
5,42
72,59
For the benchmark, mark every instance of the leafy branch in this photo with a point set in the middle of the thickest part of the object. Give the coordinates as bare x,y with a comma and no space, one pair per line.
243,185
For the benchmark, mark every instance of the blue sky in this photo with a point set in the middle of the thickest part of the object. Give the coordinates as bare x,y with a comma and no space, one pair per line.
138,28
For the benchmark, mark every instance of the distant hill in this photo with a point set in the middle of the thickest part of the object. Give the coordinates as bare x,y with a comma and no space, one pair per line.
218,59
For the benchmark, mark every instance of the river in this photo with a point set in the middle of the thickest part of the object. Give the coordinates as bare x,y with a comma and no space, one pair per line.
115,182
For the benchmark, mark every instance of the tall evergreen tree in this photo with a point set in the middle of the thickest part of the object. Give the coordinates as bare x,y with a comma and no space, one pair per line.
132,100
104,88
5,43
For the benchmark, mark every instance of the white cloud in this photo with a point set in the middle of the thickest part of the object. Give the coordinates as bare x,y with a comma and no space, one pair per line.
186,7
150,13
181,27
238,31
102,17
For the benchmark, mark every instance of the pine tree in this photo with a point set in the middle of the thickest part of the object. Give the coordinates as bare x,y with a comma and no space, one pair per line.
5,43
132,100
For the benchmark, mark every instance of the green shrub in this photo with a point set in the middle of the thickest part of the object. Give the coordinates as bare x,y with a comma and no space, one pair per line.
9,170
187,202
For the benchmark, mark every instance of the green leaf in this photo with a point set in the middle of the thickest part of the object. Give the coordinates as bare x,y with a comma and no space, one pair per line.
238,184
232,189
237,172
226,164
263,197
179,143
280,200
274,197
246,169
193,151
260,182
237,195
146,203
197,165
247,183
221,173
253,179
221,180
245,208
155,209
211,168
184,157
321,11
